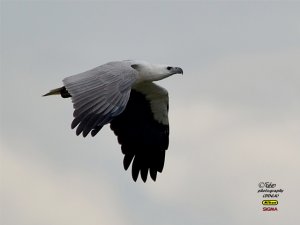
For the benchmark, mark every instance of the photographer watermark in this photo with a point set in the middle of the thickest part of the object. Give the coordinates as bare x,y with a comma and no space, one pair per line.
269,192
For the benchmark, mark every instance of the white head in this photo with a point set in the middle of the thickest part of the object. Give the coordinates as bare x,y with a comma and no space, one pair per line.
154,72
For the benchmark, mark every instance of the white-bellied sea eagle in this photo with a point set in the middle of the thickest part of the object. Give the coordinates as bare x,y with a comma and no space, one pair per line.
123,94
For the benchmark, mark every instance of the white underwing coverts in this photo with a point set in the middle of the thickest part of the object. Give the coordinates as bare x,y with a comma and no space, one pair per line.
123,94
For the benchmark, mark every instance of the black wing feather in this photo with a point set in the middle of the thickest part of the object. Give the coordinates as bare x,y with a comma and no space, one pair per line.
143,139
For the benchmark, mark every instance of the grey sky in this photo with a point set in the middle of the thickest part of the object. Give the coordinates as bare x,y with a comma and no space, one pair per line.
234,114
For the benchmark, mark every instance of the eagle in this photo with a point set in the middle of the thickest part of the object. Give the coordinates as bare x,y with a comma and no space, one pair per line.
122,94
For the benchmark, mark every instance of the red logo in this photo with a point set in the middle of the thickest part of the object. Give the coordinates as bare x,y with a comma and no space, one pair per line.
269,209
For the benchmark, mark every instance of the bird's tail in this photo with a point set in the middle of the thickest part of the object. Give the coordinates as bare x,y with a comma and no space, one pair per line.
59,91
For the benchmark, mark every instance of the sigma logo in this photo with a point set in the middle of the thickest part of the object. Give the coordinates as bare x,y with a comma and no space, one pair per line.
269,209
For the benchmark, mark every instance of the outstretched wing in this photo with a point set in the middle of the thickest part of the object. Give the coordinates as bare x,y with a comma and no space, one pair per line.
143,130
99,94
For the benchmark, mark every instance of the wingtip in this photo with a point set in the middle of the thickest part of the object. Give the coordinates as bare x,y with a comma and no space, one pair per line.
134,178
85,132
153,174
47,94
55,91
127,160
144,174
135,175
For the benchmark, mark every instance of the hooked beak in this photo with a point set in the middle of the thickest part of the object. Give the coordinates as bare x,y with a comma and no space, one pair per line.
177,70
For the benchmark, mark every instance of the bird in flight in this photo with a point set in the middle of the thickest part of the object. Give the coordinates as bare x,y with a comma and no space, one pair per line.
123,94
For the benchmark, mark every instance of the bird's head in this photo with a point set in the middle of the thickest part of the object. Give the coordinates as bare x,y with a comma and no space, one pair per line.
154,72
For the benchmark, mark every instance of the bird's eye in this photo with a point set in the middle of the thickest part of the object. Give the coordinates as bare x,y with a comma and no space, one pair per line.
169,68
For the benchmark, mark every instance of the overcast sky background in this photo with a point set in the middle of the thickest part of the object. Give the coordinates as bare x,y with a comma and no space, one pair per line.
234,114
